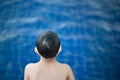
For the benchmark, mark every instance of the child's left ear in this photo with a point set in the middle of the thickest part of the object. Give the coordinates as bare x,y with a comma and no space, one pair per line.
36,51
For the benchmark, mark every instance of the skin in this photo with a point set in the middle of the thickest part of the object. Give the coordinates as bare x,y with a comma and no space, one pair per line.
48,69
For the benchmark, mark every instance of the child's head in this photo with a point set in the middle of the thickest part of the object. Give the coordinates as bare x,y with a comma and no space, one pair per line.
48,44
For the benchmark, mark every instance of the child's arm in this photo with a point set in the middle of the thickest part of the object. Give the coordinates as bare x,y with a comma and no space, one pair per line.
70,74
26,76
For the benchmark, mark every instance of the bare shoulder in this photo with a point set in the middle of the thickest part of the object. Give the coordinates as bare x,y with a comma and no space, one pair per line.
29,66
70,75
27,71
66,66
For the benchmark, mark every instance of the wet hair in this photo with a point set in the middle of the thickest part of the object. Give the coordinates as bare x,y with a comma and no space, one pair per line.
48,44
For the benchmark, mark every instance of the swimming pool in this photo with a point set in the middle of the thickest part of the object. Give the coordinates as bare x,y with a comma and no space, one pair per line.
89,31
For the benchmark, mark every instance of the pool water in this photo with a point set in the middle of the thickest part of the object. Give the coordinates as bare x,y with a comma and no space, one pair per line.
89,31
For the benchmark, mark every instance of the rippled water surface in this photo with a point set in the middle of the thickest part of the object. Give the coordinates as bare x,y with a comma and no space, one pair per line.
89,31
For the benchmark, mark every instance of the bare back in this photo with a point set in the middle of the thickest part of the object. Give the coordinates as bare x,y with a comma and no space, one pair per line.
56,71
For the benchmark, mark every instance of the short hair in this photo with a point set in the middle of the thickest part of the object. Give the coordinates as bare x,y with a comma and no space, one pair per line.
48,44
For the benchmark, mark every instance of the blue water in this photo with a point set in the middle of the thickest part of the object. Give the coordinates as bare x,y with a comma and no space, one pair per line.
89,31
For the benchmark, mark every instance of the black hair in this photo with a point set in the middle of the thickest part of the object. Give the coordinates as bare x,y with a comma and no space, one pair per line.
48,44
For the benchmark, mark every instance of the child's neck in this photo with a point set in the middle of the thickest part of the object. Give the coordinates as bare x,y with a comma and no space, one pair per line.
48,61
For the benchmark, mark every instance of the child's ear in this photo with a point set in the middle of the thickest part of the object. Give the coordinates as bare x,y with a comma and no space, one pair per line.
60,49
36,51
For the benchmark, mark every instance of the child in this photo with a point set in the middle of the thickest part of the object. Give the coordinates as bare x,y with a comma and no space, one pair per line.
48,46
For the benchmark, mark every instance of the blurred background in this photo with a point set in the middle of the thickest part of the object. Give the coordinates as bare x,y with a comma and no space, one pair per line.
89,31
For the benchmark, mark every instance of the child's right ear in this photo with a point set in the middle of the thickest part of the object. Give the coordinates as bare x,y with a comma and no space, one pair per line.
60,49
36,51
